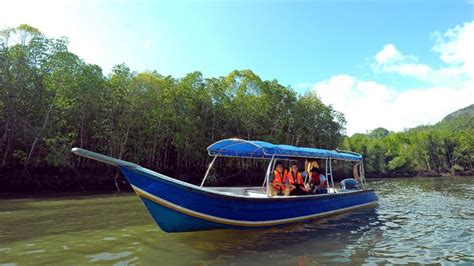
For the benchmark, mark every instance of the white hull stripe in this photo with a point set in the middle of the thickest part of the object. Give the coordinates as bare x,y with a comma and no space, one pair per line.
220,220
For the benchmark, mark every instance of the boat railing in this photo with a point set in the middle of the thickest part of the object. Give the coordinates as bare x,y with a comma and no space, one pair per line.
103,158
266,181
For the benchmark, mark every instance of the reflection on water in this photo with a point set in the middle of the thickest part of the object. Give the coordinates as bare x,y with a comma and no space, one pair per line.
416,221
319,241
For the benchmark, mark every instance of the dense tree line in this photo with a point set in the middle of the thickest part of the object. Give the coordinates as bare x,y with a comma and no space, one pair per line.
427,150
51,100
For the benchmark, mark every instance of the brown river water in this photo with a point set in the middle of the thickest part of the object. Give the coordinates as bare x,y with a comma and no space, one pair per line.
417,221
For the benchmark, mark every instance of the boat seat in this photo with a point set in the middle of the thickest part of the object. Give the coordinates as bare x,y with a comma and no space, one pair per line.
256,193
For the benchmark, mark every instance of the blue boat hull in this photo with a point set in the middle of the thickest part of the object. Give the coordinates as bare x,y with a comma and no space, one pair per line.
177,206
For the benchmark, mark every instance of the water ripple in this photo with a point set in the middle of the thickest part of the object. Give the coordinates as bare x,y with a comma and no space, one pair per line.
417,221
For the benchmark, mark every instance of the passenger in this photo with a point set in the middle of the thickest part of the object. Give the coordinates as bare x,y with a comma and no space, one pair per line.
318,182
308,165
295,185
277,187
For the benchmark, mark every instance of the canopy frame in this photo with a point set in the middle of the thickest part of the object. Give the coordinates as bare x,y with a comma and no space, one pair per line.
208,170
271,165
292,151
260,153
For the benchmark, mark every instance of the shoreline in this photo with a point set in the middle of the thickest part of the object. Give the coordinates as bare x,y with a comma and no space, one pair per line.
46,195
127,191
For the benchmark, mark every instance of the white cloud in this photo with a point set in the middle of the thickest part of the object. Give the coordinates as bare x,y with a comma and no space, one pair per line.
416,70
456,47
368,104
391,60
387,54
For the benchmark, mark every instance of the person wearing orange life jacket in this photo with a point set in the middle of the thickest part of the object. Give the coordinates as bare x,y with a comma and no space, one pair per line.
294,181
277,186
318,182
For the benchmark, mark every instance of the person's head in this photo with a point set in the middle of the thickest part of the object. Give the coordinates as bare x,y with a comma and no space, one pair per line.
315,170
279,167
294,167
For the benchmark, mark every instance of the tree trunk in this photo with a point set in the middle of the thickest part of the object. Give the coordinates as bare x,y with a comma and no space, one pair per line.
124,142
427,163
116,183
6,140
5,132
7,151
152,160
79,160
39,133
213,126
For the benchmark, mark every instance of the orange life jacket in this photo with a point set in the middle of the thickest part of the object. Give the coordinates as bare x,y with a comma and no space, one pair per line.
278,178
291,180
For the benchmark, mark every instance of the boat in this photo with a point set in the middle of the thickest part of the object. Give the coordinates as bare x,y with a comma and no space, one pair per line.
178,206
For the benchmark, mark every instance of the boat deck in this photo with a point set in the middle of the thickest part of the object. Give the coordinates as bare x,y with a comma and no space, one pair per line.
258,192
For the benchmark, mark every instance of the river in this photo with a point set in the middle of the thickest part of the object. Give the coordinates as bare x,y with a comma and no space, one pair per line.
420,220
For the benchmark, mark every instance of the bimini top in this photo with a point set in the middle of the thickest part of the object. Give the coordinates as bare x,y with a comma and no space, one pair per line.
262,149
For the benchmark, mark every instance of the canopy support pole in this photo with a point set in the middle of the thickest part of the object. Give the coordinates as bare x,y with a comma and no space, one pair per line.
362,174
267,175
305,170
332,180
328,169
208,170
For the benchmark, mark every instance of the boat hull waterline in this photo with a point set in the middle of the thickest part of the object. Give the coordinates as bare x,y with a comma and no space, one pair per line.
177,206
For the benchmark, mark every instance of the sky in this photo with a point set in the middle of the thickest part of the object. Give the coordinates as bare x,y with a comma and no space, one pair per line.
391,64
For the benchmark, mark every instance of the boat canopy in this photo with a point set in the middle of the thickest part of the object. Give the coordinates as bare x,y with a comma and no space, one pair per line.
261,149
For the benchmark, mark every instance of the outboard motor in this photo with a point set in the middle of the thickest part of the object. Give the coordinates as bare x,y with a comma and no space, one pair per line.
349,183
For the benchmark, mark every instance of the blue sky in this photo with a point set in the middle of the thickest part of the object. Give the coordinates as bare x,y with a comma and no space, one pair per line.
310,45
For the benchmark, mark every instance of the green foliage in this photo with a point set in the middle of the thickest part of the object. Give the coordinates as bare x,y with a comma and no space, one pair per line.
51,101
397,163
461,120
442,148
379,133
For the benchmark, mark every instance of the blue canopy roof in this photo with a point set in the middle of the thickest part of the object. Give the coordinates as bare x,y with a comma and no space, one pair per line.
262,149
